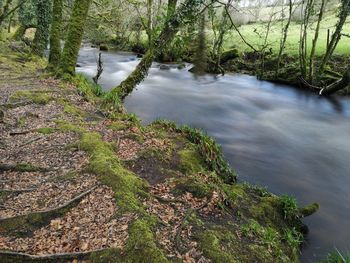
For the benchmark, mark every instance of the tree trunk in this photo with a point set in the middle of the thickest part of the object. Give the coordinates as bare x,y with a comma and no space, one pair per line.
187,11
150,23
75,36
41,37
338,85
314,42
21,30
343,15
171,7
55,36
284,39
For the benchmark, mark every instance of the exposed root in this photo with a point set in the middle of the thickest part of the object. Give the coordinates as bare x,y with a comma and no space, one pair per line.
24,224
20,257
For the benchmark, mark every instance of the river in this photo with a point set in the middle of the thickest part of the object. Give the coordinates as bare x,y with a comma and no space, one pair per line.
291,141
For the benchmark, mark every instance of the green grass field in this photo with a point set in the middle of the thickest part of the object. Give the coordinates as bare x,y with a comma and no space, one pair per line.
292,45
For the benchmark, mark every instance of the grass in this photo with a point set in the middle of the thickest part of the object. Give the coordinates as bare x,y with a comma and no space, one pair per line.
251,33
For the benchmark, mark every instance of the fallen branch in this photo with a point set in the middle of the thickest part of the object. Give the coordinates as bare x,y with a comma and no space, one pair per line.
20,132
23,225
14,255
31,141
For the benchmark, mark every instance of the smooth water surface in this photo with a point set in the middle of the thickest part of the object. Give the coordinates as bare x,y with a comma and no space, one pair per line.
291,141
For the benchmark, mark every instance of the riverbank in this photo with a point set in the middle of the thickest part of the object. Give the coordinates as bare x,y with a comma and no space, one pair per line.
80,183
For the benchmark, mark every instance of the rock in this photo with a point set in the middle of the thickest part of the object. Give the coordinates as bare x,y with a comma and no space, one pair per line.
104,47
181,66
139,55
229,55
164,67
78,65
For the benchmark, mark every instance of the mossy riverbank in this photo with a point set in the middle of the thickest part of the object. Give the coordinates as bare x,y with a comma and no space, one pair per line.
175,197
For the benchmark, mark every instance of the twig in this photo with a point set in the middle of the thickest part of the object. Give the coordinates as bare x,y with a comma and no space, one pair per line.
20,132
31,141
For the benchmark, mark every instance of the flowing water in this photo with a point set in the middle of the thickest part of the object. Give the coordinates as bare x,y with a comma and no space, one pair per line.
291,141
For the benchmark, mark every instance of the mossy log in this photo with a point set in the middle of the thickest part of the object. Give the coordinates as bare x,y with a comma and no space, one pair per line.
338,85
308,210
24,225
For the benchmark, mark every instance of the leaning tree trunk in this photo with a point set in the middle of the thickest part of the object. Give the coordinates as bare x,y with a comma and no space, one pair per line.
338,85
343,15
187,11
41,38
55,36
75,36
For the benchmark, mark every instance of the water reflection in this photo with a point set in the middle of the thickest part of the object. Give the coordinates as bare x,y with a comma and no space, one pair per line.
288,140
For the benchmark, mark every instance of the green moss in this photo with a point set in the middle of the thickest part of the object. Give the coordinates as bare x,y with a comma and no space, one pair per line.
74,36
73,110
65,126
195,185
36,97
309,210
46,130
190,160
140,246
261,252
233,192
103,162
266,210
210,243
111,255
208,149
26,167
118,126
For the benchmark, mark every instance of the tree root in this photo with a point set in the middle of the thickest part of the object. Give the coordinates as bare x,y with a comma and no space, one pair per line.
23,225
15,104
17,190
23,167
14,256
178,241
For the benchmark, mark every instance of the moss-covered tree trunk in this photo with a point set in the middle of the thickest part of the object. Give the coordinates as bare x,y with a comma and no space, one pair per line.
338,85
75,35
187,12
41,38
55,35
